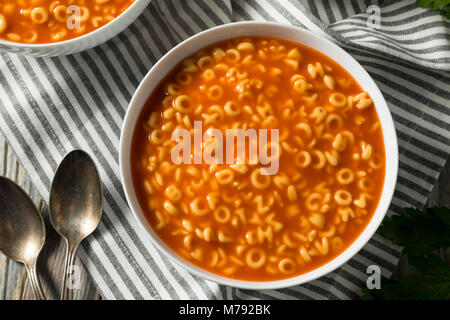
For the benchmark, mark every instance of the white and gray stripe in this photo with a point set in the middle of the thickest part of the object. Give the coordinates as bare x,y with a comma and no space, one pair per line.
51,105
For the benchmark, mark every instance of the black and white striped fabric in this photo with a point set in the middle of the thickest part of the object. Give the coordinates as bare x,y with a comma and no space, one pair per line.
50,106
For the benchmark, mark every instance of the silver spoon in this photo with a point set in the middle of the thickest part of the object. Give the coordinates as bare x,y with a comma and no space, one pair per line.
76,201
22,230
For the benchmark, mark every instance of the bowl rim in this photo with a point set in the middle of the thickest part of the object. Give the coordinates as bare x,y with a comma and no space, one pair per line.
86,36
389,137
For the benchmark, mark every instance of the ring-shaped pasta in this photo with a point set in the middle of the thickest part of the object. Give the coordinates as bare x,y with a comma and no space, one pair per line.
183,103
157,136
215,92
183,78
255,258
208,75
333,121
173,89
287,266
198,207
225,176
173,193
343,197
232,109
232,55
39,15
338,99
258,180
303,159
345,176
222,214
218,54
60,13
300,86
203,62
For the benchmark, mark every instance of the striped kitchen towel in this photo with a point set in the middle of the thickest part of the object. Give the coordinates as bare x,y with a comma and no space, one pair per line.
50,106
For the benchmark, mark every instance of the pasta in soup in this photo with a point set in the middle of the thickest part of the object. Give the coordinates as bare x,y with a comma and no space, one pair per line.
46,21
232,218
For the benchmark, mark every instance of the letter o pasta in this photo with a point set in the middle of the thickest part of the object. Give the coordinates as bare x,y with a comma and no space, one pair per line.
39,15
287,266
303,159
183,104
215,92
255,258
338,99
198,207
345,176
222,214
343,197
260,181
232,109
225,176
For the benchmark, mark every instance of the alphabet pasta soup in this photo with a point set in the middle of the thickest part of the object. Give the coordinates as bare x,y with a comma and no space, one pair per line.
233,218
47,21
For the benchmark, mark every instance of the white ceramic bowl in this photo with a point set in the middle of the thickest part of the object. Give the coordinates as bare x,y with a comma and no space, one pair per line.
193,44
83,42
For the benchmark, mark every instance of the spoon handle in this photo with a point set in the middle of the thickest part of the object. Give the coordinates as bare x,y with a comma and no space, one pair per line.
34,281
71,250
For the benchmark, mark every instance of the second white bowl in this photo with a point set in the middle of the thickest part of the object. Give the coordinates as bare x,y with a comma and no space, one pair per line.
83,42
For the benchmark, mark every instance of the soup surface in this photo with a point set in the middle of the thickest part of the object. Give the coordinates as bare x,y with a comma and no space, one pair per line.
46,21
234,218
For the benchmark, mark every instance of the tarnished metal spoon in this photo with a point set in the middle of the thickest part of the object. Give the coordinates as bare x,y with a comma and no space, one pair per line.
22,230
76,202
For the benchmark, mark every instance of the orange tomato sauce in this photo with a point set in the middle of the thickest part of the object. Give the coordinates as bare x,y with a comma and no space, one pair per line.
47,21
331,160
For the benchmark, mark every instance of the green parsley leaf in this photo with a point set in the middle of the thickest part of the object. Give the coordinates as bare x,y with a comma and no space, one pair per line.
431,265
419,232
417,288
434,285
442,5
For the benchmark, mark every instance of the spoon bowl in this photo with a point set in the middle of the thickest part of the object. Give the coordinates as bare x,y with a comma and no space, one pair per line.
76,203
22,230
